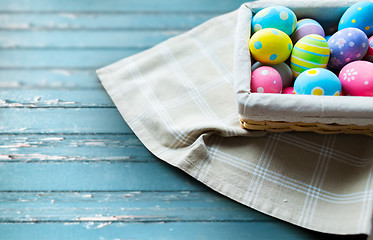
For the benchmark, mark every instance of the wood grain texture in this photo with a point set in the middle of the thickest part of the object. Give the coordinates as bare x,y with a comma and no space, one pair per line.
81,59
160,231
62,120
60,78
123,206
68,98
70,167
85,39
94,176
120,6
102,21
73,148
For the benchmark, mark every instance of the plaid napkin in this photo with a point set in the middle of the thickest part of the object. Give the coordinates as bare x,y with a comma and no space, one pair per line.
178,98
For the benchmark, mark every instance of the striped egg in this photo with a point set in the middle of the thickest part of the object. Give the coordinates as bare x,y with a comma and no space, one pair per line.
305,27
311,51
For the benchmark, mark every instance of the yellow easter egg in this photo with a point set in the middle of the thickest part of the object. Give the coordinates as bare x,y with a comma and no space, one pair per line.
270,46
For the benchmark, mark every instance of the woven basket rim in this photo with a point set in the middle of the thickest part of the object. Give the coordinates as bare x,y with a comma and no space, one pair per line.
321,128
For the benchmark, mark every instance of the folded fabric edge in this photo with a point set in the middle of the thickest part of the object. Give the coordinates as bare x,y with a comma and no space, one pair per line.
224,188
277,211
294,108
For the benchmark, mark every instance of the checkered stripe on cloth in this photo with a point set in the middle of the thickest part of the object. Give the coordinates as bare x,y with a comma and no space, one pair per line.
178,99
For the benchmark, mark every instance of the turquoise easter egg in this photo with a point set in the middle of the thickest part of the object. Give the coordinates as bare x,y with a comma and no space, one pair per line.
279,17
359,15
318,81
311,51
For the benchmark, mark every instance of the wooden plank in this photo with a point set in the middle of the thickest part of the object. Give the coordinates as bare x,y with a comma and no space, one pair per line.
48,78
62,58
95,176
167,230
84,39
119,6
97,21
67,98
123,207
62,120
76,148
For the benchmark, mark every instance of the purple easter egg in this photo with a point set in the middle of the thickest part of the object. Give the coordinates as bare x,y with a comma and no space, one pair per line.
347,45
305,27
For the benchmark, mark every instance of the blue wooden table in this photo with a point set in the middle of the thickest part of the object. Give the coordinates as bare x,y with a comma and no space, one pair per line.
70,167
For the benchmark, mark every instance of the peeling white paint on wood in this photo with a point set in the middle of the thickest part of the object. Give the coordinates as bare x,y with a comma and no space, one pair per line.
17,145
5,157
38,156
108,148
101,225
53,139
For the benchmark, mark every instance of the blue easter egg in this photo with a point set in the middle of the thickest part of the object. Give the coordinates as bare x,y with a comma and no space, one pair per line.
318,81
359,15
279,17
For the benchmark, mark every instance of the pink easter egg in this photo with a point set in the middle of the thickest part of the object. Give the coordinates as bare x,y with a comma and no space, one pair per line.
357,78
266,79
369,55
288,90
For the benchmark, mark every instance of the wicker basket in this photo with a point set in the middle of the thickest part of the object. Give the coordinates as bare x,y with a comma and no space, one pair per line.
286,112
281,126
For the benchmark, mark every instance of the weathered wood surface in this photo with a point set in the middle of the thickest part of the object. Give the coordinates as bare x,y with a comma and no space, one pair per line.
70,167
114,6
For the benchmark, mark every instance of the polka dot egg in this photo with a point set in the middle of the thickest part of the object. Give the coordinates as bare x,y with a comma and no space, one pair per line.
357,78
278,17
360,16
305,27
369,54
270,46
282,68
347,45
265,80
311,51
317,81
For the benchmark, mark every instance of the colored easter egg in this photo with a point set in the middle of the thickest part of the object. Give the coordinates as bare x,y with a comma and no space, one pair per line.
288,90
347,45
317,81
357,78
266,80
270,46
279,17
305,27
282,68
369,54
311,51
359,15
